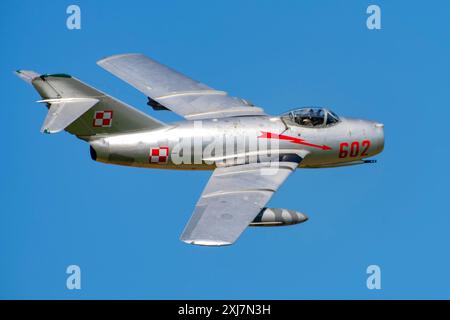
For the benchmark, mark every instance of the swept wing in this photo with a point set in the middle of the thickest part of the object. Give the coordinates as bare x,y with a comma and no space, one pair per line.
231,200
172,90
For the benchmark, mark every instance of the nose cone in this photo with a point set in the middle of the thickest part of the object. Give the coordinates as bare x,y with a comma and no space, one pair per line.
365,130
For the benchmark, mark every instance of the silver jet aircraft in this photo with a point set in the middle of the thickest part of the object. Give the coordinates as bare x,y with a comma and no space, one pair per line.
250,152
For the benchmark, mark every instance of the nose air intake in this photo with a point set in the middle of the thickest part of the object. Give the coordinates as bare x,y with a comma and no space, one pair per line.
379,136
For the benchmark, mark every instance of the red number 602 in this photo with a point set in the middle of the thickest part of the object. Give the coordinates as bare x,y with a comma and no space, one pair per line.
353,149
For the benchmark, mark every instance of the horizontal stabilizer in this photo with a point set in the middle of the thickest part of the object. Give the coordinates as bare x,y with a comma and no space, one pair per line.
63,112
83,110
26,75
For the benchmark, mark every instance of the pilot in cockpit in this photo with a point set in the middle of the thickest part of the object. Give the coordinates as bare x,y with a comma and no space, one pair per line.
311,117
307,122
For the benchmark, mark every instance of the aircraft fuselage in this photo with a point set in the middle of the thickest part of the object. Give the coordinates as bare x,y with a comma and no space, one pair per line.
206,144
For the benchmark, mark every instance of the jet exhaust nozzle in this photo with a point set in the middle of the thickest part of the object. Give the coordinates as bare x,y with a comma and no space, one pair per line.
99,150
93,153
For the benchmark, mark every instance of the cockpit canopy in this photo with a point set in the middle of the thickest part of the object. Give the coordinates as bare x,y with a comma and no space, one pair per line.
311,117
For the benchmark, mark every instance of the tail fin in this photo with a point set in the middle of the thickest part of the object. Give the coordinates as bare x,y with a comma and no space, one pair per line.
83,110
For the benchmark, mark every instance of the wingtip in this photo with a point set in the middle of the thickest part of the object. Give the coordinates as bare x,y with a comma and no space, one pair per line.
207,243
115,56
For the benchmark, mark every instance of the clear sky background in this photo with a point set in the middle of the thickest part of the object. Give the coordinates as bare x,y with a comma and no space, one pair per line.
121,225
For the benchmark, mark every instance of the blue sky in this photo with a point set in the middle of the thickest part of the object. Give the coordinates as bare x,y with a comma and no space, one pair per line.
121,225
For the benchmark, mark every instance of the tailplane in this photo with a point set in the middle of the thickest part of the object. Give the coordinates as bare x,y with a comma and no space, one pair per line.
83,110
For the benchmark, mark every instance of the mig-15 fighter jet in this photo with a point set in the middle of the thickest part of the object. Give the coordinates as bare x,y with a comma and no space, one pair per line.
250,152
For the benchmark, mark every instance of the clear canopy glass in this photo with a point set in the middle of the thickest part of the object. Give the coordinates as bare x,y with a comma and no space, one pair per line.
311,117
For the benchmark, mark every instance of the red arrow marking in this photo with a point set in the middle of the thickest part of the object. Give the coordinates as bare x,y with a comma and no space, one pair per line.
270,135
